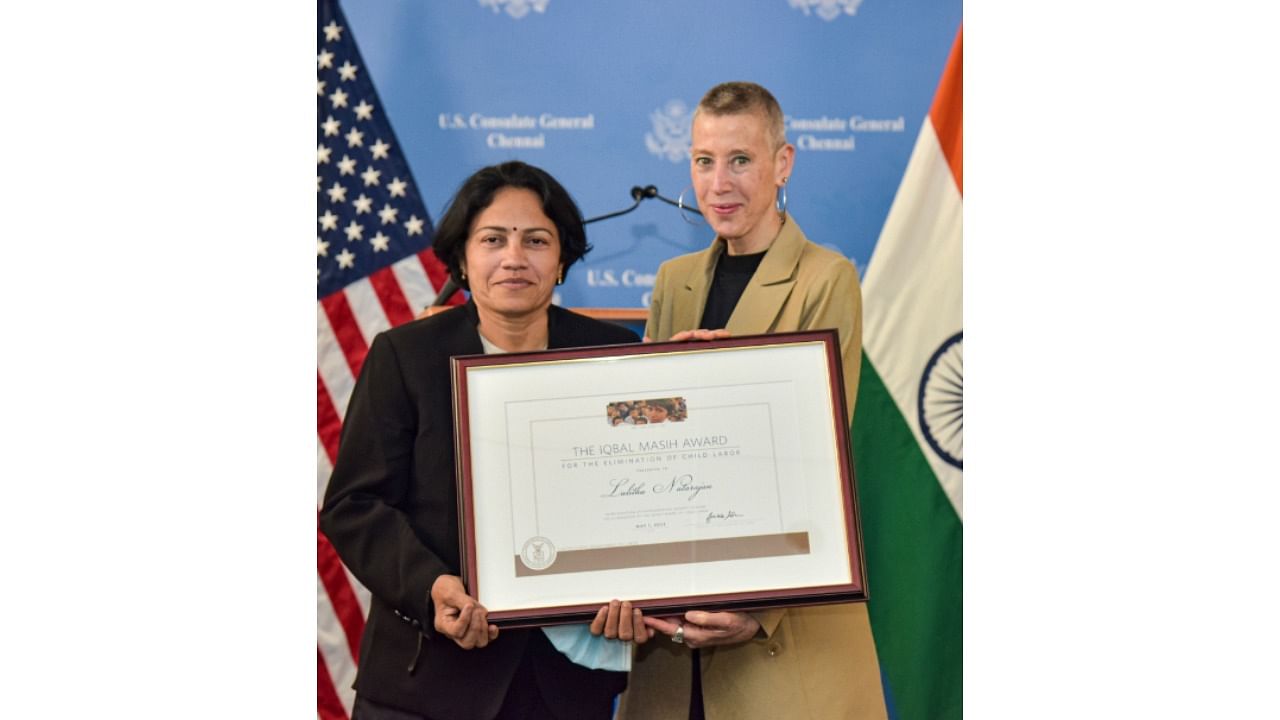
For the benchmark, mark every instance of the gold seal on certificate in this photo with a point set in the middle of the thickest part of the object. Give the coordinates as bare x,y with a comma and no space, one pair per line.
538,553
710,474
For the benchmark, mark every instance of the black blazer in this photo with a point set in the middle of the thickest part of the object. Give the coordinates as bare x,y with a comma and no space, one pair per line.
391,512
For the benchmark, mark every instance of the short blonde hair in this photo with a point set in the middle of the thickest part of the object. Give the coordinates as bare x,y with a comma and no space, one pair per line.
737,98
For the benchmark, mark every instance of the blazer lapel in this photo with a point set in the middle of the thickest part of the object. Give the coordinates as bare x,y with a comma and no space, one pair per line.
762,301
688,310
465,340
557,329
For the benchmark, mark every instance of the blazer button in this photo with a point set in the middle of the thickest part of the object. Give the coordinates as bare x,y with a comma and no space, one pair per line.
774,649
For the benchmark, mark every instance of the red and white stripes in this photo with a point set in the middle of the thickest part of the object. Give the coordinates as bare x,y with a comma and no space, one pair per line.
346,323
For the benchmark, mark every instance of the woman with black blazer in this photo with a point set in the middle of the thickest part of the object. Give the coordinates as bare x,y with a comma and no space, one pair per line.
509,235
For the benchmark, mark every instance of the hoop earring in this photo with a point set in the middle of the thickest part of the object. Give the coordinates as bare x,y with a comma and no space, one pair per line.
782,207
680,203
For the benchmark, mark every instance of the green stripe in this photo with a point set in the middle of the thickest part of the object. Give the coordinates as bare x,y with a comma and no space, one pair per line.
913,541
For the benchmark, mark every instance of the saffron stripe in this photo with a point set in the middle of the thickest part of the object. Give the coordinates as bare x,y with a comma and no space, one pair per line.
947,113
346,330
387,288
345,605
910,499
913,281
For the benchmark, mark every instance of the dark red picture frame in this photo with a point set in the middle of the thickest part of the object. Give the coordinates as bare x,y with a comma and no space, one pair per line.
853,591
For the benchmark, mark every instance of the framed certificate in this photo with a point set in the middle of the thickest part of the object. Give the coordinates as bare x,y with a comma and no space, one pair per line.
712,475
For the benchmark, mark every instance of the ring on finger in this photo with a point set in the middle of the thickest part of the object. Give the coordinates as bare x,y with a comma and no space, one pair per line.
678,638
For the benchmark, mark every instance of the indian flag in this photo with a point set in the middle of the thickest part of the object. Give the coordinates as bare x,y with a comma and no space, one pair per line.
907,433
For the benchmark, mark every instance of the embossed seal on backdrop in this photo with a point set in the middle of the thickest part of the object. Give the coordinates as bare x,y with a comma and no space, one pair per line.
516,8
538,553
672,132
828,10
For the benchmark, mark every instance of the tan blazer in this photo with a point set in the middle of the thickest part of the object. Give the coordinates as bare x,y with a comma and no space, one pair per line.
813,662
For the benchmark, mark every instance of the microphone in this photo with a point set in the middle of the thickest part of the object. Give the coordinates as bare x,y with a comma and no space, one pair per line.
649,192
639,193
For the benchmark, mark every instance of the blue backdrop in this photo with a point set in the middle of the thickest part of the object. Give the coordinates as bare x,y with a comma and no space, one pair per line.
600,93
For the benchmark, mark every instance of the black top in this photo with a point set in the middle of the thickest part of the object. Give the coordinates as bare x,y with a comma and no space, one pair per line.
391,513
732,274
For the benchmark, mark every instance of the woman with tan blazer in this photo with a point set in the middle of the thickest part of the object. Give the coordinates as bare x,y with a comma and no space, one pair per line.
760,275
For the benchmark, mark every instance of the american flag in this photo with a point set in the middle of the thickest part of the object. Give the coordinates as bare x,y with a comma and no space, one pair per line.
374,269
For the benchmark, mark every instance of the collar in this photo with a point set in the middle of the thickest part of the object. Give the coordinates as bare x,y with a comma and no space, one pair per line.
554,335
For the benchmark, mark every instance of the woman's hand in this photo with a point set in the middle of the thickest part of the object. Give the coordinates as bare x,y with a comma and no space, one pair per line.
458,615
619,621
687,335
707,629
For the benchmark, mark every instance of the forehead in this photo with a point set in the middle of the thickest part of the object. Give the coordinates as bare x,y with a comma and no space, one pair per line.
513,207
741,131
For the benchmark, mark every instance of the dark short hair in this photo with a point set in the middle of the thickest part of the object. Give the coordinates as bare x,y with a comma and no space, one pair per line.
739,98
476,193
